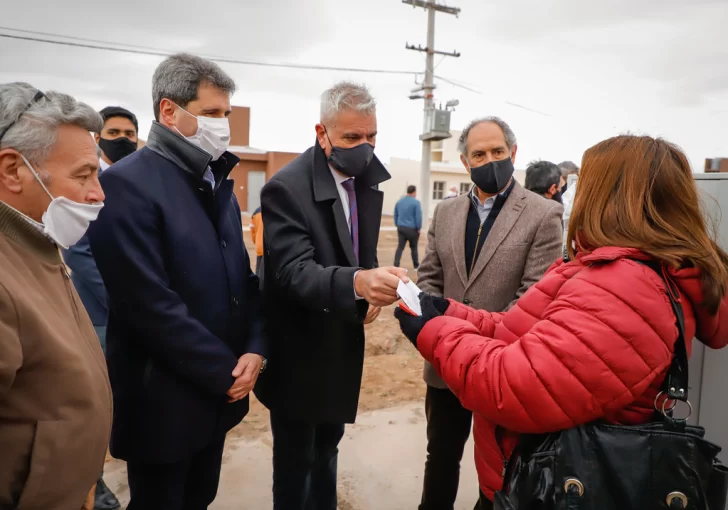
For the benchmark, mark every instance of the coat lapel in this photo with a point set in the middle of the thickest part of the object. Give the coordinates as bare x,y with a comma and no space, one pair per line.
460,220
507,218
369,202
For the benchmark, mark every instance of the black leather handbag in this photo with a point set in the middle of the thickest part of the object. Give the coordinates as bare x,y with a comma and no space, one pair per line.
665,464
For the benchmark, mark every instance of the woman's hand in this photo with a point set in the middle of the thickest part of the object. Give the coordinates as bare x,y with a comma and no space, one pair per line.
432,306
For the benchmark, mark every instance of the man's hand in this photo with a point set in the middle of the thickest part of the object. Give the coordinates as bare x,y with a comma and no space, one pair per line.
372,314
379,286
246,374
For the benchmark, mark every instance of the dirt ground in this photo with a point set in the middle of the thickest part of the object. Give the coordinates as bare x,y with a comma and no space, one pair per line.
392,367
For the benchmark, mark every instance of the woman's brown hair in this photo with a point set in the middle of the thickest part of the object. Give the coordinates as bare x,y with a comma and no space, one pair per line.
639,192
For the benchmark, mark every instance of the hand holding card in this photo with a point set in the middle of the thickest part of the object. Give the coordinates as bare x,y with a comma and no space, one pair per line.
409,293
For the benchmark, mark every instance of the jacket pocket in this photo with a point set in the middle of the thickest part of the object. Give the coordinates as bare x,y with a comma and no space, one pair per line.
44,444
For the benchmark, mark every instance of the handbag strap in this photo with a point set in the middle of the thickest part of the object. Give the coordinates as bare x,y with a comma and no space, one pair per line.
675,385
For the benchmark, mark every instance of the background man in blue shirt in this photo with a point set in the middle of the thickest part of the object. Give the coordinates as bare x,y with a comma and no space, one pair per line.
408,220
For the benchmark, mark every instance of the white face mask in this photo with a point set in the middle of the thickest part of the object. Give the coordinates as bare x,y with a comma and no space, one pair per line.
65,221
213,134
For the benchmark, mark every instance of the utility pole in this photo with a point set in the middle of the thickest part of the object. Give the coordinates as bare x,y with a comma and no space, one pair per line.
436,124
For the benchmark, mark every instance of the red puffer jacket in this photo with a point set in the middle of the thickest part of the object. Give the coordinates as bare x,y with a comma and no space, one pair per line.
593,339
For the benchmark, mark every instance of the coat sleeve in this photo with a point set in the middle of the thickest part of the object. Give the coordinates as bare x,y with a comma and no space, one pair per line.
257,339
11,352
83,266
127,244
545,249
430,276
290,253
483,320
589,356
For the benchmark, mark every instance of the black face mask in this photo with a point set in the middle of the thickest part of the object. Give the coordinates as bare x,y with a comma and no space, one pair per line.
117,148
492,177
352,162
557,196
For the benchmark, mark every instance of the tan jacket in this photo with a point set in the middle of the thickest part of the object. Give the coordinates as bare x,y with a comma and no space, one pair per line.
524,241
55,397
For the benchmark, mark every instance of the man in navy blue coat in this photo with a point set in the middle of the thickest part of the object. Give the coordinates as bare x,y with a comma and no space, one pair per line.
185,339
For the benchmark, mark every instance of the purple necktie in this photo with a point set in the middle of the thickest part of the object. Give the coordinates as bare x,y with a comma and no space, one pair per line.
353,216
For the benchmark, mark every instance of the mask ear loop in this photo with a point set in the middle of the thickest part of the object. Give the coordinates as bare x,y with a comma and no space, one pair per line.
37,177
188,113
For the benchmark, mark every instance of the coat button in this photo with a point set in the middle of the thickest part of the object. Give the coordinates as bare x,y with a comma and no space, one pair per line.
466,301
236,302
224,244
326,310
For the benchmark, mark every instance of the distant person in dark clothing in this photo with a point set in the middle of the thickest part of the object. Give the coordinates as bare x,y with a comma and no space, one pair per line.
544,178
408,220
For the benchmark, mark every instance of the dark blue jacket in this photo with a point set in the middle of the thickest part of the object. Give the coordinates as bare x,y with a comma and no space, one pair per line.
408,213
87,280
184,304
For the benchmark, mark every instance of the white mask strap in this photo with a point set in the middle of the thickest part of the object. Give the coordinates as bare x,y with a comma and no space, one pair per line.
37,176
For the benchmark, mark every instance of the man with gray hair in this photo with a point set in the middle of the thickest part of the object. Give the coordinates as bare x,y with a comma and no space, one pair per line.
321,283
484,249
55,398
185,340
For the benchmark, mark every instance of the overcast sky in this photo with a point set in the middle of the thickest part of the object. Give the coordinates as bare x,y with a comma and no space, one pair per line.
564,73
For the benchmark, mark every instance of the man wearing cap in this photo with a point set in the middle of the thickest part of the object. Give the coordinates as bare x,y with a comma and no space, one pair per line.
117,139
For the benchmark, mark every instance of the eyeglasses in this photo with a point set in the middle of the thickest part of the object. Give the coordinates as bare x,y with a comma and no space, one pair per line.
37,97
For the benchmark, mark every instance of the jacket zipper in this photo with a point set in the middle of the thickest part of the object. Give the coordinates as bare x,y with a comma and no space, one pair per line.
475,251
67,281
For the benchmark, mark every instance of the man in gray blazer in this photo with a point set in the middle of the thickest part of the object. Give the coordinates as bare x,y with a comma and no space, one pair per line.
484,249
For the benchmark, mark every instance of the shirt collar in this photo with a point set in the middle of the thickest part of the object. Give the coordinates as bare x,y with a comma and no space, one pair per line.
103,165
338,177
475,199
37,226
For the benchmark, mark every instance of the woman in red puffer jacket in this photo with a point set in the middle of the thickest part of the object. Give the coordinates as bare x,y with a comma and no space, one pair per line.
594,338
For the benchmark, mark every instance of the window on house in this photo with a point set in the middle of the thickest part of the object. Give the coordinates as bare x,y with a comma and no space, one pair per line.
715,164
465,187
438,190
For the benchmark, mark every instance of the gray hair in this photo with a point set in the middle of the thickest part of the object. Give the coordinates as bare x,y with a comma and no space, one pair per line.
179,77
33,131
346,96
508,133
568,168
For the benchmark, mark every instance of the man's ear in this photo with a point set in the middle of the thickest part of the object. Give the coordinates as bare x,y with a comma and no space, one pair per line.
465,162
323,140
97,137
10,162
513,154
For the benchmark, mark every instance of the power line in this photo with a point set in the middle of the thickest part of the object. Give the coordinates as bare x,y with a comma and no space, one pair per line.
140,50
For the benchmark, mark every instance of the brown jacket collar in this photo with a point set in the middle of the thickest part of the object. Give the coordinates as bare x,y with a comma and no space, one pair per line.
18,229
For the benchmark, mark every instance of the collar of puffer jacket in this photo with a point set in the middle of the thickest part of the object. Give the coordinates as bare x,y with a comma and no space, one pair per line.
611,253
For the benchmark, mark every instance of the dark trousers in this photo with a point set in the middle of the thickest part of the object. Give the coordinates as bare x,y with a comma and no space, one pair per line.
411,236
190,484
304,464
448,429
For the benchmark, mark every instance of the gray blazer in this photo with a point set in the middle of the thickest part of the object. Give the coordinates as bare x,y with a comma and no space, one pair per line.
524,241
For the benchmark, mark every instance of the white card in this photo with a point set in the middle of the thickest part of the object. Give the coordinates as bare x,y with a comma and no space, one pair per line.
410,294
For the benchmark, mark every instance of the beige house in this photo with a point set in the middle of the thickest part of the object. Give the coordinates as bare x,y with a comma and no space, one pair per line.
446,171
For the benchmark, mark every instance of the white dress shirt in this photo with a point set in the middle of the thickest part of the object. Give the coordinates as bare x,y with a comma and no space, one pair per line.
103,165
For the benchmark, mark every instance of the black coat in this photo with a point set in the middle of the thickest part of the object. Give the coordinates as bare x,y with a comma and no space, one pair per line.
314,322
184,304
